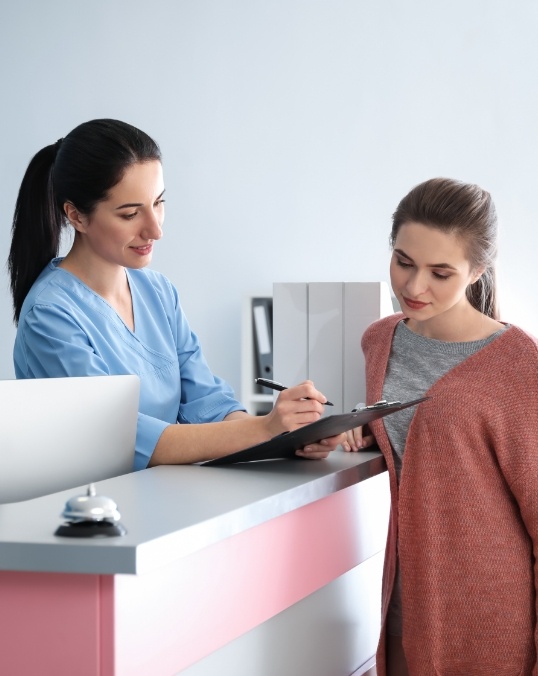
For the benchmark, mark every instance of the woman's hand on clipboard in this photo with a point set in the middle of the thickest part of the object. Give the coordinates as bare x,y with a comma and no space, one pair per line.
322,449
358,438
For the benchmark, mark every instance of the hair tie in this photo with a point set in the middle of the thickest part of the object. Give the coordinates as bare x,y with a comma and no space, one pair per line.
58,144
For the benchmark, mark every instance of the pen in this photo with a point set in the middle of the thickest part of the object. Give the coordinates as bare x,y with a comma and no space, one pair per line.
273,385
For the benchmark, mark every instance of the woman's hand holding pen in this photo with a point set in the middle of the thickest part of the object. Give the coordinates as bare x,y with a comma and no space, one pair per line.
298,406
295,407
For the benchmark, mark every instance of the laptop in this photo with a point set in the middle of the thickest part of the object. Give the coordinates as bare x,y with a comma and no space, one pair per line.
60,433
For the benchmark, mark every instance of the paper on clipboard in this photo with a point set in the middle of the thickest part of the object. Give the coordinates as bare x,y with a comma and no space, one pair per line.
285,445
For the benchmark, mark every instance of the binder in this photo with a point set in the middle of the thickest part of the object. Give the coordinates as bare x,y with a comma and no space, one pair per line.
317,330
285,445
262,323
290,332
326,339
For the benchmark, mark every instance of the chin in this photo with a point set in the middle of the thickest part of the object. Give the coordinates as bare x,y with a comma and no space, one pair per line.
142,262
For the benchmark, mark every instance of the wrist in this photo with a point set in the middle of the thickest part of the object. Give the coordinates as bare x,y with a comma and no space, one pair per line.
270,425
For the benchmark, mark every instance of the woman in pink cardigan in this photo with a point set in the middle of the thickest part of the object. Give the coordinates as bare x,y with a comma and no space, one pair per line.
460,577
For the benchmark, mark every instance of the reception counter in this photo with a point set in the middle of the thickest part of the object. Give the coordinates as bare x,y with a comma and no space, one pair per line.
270,568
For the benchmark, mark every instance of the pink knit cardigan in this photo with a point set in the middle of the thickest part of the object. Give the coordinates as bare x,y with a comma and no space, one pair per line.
466,512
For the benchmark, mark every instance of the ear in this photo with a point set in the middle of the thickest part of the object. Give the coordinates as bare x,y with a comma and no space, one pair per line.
477,274
77,219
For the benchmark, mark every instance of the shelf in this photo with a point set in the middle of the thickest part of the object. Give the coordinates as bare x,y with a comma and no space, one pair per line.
254,401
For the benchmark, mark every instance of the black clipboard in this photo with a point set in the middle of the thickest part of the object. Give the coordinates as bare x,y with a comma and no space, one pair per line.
285,445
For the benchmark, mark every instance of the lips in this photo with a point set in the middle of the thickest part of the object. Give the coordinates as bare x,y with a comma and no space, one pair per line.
143,250
414,304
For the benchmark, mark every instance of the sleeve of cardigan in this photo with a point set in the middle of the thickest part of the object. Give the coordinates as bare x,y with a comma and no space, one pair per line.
525,490
516,445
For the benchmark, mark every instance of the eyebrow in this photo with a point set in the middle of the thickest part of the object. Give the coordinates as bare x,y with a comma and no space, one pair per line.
137,204
445,266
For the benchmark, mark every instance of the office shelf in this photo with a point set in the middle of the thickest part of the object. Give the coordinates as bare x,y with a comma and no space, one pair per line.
255,401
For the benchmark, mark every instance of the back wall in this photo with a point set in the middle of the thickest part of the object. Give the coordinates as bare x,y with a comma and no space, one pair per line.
290,129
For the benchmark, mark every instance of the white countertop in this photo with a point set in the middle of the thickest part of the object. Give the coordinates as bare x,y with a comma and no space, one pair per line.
172,511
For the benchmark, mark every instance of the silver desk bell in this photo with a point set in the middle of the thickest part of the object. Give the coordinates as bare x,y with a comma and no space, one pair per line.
90,516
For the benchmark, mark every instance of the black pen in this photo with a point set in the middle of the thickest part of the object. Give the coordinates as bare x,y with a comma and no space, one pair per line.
273,385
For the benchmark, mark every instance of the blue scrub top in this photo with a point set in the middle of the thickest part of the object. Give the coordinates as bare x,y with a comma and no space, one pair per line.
66,329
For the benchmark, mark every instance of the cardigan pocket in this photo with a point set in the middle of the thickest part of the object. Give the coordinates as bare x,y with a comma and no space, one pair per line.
466,668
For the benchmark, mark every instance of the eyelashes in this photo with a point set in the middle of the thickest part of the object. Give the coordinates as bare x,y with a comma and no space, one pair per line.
129,217
402,264
438,275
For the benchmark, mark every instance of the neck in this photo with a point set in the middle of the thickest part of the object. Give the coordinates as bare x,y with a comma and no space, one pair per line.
107,280
457,325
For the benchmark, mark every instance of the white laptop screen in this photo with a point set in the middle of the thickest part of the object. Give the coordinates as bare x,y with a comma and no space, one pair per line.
59,433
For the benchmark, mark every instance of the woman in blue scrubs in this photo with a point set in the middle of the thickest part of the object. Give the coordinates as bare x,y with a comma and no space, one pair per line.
101,311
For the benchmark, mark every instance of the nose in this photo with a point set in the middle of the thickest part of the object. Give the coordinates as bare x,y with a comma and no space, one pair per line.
152,227
417,283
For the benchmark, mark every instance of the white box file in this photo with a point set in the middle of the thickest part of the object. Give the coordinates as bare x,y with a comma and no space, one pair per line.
317,331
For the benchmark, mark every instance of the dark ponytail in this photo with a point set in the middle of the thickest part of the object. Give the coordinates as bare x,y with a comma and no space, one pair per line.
37,226
81,169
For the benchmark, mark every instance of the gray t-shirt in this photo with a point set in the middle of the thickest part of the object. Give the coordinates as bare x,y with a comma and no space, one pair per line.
415,364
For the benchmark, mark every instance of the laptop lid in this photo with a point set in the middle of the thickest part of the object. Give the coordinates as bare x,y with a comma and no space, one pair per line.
59,433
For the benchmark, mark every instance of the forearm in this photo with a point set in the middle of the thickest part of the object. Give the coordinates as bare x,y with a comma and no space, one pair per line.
295,407
187,444
238,415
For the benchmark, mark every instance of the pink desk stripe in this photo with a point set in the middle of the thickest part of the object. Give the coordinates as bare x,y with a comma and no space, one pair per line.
168,622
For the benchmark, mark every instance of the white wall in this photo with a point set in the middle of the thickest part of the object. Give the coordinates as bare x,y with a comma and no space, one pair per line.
290,130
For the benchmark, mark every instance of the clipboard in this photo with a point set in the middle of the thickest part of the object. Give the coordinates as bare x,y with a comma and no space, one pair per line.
285,445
